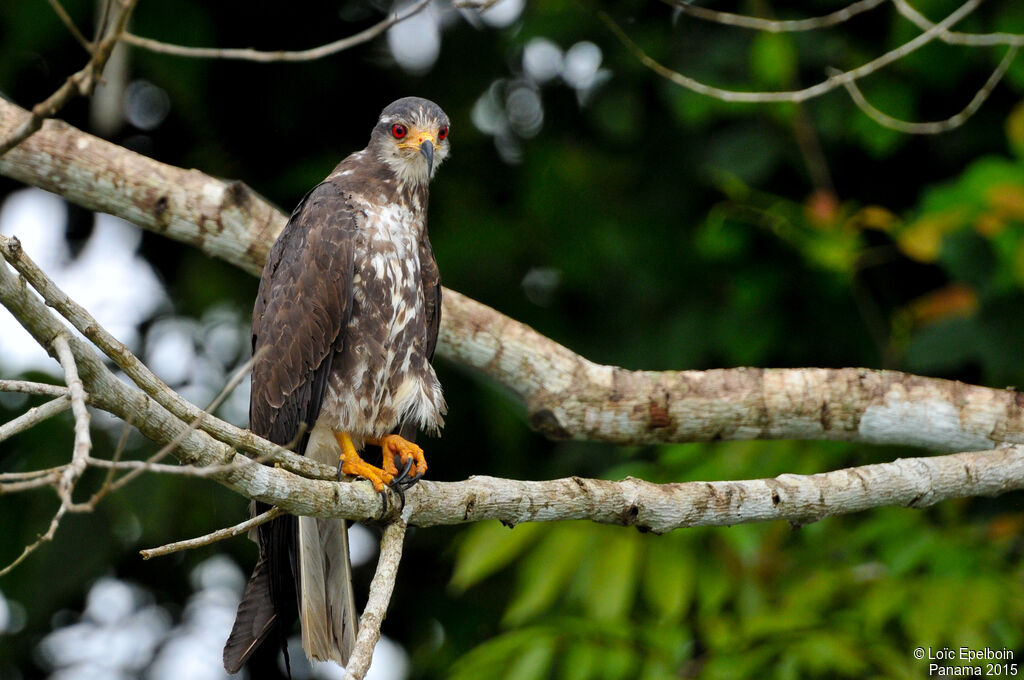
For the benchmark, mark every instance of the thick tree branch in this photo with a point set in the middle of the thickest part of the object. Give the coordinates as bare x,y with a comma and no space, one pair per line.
565,395
917,482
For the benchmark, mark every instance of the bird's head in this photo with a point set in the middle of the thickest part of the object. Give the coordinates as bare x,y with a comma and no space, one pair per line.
411,137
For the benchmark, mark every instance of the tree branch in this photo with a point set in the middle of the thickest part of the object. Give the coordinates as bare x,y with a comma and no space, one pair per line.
939,126
793,95
10,250
917,482
81,83
70,25
566,396
955,38
771,25
277,55
29,387
376,609
213,537
34,416
83,442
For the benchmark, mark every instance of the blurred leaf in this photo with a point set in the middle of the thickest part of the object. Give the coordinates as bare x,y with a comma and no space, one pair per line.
773,60
669,576
533,662
579,661
486,547
614,577
544,572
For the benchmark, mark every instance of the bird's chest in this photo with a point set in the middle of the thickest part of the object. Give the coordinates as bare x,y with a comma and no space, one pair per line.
386,279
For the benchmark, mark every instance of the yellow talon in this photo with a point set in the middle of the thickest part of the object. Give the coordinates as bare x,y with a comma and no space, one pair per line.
353,464
393,445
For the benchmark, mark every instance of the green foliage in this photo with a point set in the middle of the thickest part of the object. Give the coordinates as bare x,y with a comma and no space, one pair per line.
847,598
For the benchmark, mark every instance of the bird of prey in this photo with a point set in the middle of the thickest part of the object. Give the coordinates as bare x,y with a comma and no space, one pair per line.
343,332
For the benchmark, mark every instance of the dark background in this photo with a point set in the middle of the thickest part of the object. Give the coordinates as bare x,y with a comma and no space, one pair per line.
640,225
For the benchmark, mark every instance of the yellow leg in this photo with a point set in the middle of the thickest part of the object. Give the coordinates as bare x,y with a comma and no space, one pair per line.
392,445
353,464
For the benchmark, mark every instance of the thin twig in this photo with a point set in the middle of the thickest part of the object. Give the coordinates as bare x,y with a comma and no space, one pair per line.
955,38
29,387
30,548
381,587
771,25
478,5
83,442
150,463
247,54
32,474
938,126
141,375
212,537
122,443
81,83
70,25
791,95
27,484
34,416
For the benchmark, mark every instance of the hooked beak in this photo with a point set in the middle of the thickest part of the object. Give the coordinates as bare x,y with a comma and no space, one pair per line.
427,149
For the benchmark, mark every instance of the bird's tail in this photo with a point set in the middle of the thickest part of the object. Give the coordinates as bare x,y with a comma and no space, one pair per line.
327,603
255,620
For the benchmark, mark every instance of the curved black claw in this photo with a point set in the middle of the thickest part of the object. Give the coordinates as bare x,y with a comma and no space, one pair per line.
400,477
403,480
409,482
341,461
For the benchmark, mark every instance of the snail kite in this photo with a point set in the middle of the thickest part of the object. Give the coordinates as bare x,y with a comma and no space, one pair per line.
343,332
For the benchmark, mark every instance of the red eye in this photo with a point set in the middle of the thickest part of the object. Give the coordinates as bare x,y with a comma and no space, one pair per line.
442,133
398,131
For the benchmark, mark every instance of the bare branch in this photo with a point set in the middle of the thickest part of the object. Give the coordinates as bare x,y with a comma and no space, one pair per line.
81,83
939,126
566,396
34,416
70,25
15,482
381,587
171,445
10,249
569,397
478,5
954,38
278,55
83,442
29,387
792,95
771,25
45,538
213,537
799,499
915,482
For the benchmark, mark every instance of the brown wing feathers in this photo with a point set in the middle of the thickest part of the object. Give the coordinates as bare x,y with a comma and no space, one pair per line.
302,308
